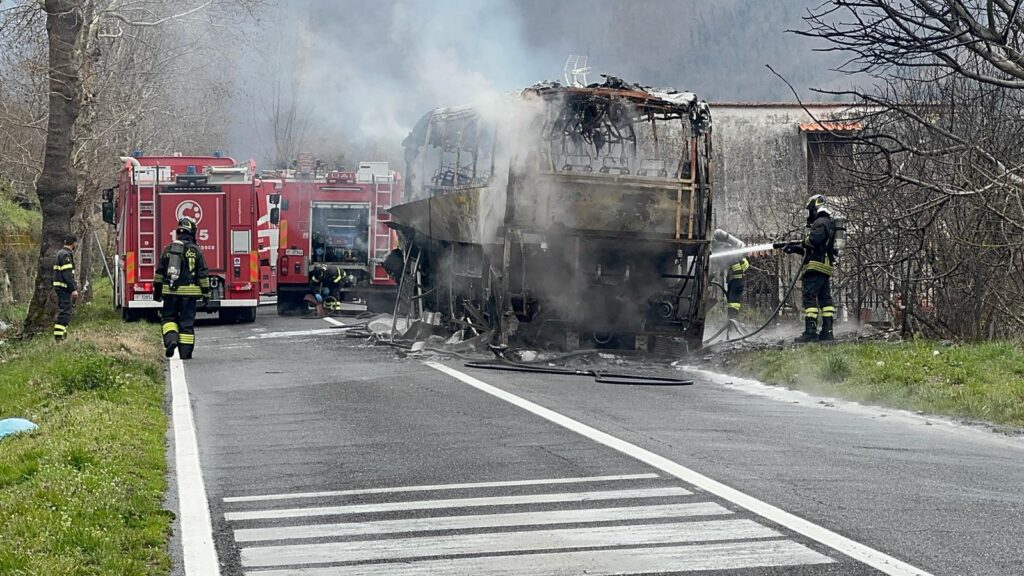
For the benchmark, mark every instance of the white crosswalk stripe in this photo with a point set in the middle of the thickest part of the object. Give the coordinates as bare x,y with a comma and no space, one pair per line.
606,531
542,518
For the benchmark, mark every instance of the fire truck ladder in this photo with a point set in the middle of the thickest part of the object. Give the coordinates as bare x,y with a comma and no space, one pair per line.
383,188
147,246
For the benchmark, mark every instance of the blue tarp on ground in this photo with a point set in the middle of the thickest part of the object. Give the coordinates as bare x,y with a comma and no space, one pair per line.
15,425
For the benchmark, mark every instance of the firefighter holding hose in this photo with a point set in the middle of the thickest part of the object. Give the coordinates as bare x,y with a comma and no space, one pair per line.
819,251
180,282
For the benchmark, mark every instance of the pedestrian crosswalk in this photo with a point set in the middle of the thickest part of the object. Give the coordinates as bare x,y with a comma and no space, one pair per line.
632,524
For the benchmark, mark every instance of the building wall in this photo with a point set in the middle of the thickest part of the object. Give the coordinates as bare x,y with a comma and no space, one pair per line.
760,166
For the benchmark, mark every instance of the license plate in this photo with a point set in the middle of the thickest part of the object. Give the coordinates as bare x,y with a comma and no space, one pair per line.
143,297
293,252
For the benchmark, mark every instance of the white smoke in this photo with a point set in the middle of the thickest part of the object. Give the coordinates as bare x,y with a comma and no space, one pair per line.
363,72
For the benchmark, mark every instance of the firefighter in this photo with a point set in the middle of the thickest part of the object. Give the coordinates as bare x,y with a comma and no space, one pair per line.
818,250
734,287
325,281
65,287
183,270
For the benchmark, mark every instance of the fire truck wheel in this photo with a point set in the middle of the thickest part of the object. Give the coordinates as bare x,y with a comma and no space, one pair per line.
129,315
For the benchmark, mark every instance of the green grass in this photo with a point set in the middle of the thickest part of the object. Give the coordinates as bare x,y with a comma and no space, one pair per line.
83,494
972,381
15,219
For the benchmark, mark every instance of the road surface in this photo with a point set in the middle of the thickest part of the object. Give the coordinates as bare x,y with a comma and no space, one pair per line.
323,455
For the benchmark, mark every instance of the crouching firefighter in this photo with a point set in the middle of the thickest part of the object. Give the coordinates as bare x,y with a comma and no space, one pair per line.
819,252
181,281
325,281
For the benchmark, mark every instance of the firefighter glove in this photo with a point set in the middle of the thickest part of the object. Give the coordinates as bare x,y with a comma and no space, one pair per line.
319,299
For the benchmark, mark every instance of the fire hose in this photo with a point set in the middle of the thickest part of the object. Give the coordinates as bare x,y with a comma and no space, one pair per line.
599,377
771,317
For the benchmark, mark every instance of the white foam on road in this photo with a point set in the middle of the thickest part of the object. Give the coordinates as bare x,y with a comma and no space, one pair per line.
200,556
503,543
459,503
296,333
433,487
874,558
723,556
507,520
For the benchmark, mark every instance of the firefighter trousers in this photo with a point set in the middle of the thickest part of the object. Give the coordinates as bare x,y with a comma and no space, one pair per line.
817,296
65,308
179,317
733,294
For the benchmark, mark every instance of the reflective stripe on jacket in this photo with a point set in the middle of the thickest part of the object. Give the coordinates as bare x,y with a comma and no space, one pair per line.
64,270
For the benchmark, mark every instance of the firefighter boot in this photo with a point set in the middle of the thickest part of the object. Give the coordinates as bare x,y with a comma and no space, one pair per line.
170,330
826,330
186,345
810,331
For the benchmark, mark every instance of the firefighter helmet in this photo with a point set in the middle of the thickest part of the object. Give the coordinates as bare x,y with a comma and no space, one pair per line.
816,204
186,226
318,272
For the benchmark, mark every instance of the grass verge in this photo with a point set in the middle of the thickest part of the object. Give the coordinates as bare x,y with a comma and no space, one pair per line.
83,494
972,381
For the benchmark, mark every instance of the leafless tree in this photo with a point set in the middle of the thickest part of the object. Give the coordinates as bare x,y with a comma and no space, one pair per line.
283,122
86,81
934,188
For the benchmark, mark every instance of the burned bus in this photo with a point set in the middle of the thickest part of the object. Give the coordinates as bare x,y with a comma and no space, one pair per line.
560,218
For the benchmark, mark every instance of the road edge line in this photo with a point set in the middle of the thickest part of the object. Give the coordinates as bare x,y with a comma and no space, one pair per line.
198,551
860,552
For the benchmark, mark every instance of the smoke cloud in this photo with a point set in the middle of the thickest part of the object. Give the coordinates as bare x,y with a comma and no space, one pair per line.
358,74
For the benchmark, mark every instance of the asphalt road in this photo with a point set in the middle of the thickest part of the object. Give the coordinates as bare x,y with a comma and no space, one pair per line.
323,455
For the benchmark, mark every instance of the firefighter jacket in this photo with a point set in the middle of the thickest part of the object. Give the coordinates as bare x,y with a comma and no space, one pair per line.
333,278
182,271
64,270
737,269
819,245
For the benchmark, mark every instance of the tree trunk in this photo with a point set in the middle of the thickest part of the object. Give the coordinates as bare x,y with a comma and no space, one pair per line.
57,183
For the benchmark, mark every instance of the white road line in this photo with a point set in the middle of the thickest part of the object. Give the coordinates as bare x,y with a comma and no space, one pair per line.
878,560
635,513
505,542
460,503
200,556
330,320
432,487
725,556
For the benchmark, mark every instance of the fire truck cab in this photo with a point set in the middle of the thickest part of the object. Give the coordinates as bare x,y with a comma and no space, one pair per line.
152,194
338,218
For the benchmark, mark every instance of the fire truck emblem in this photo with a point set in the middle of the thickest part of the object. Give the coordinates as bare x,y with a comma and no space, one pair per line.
189,209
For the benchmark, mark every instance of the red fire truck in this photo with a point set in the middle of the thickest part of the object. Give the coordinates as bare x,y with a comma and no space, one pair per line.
152,193
337,218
